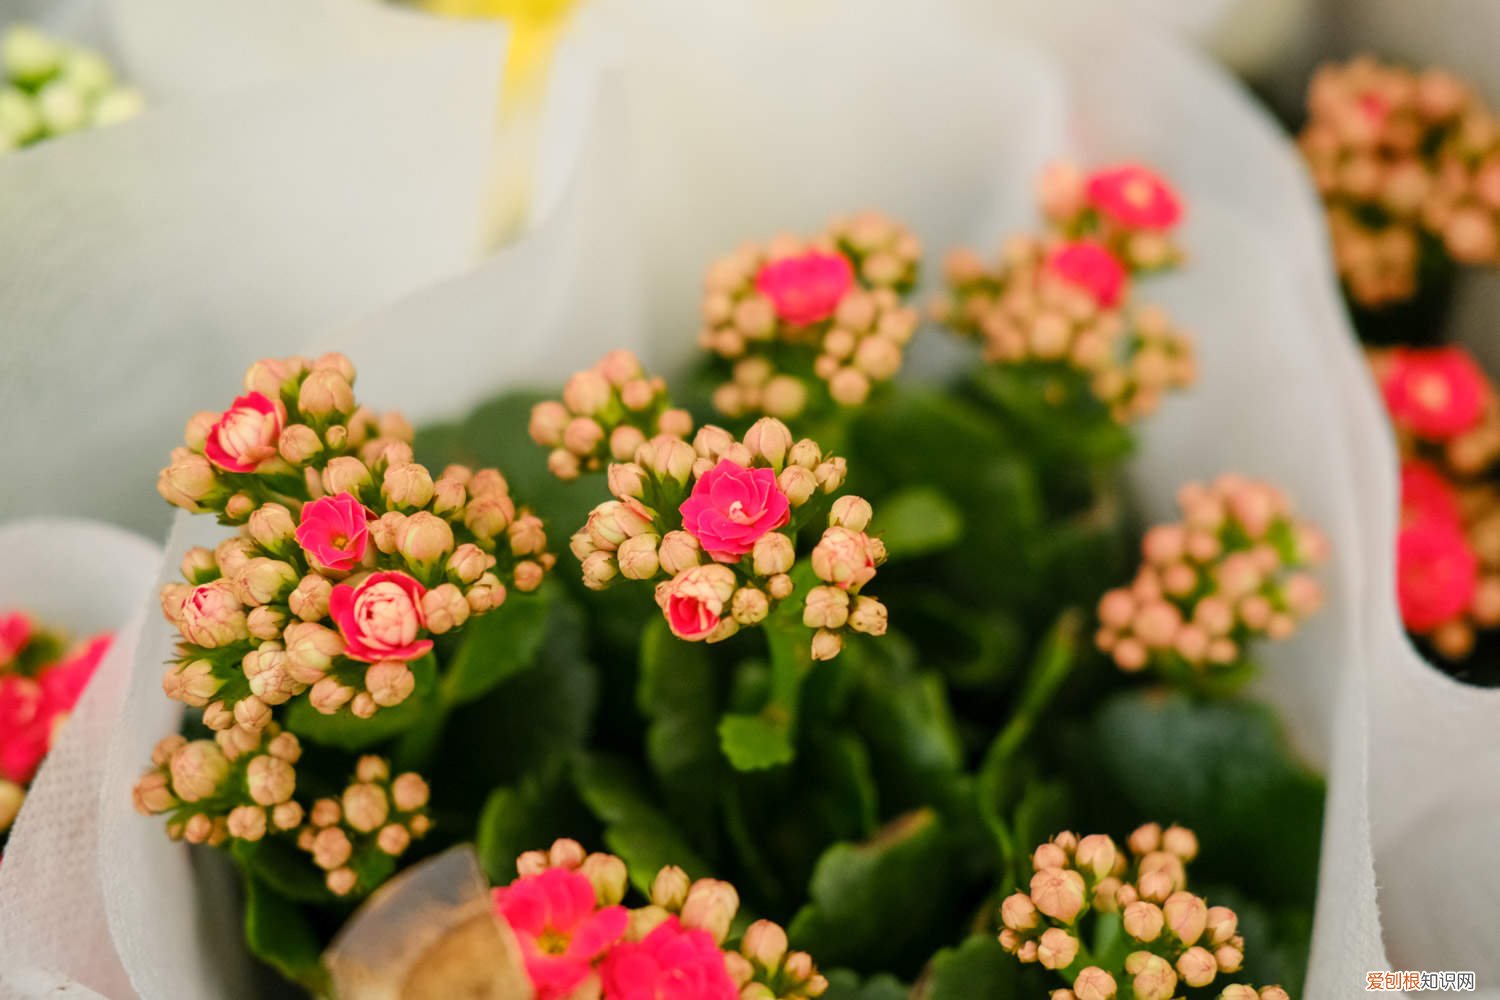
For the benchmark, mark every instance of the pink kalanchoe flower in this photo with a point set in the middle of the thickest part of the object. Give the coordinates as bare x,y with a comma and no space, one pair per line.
1435,392
246,434
806,289
731,507
1427,496
380,617
15,633
561,931
670,963
64,681
1086,264
694,601
25,728
334,531
1134,197
1436,574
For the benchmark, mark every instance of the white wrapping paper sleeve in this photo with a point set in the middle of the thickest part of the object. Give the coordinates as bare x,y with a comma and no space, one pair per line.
86,578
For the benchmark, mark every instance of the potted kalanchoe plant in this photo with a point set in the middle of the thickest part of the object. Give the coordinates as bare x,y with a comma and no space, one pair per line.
804,790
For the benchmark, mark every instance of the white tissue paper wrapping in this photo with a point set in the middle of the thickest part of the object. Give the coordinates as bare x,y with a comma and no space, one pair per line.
84,578
705,128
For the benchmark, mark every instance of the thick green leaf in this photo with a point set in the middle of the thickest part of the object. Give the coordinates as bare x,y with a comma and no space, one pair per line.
497,645
279,934
917,520
767,738
978,969
1224,769
523,817
756,742
905,718
634,828
348,732
846,985
873,903
680,694
283,868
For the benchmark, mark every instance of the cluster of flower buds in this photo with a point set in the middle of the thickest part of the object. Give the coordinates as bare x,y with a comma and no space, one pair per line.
1408,164
1175,940
41,680
578,939
1061,302
1234,569
52,88
350,558
793,314
715,522
606,413
355,838
1447,419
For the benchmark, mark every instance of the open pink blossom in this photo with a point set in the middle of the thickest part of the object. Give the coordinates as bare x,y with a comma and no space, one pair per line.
246,434
15,633
1134,197
1427,496
64,681
731,507
380,617
807,288
1086,264
1436,574
25,728
694,600
561,930
1435,392
670,963
334,531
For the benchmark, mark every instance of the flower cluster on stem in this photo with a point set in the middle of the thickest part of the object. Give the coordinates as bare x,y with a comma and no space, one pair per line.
1062,302
823,315
1408,164
41,679
1447,420
52,88
1122,923
578,939
1234,569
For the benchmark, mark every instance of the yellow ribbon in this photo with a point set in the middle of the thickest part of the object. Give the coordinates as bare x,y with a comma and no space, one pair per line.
536,26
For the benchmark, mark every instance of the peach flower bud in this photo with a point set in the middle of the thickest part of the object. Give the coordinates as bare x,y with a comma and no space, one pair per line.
310,651
194,683
825,607
1229,958
1197,967
212,616
1186,916
341,881
247,823
547,422
624,441
173,596
1056,949
1238,991
749,606
363,706
607,874
365,807
327,696
333,361
599,570
637,557
217,716
868,616
1143,920
669,890
390,682
1154,978
711,906
270,780
448,496
488,515
582,435
198,769
679,551
425,539
769,439
409,792
271,526
408,485
189,479
1273,993
331,848
238,507
1145,839
668,457
149,796
345,474
325,393
1018,912
849,386
487,594
779,587
627,479
1049,855
563,464
675,423
385,530
265,622
831,473
444,608
826,644
1093,983
784,396
1058,893
264,581
393,839
636,394
199,426
1181,841
773,553
842,558
252,713
1027,951
850,512
198,565
1096,854
469,562
1221,924
587,392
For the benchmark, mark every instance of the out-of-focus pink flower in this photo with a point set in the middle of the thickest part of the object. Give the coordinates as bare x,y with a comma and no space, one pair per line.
334,531
561,930
63,682
1086,264
694,601
1427,496
15,633
1134,197
380,617
1435,392
246,434
25,728
1436,574
731,507
806,289
670,963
